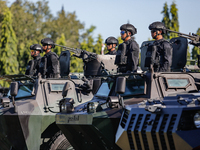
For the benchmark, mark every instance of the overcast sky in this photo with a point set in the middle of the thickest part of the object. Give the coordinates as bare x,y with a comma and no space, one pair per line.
109,15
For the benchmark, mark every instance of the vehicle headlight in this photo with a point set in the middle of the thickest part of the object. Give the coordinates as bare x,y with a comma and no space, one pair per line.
197,119
66,105
93,107
190,120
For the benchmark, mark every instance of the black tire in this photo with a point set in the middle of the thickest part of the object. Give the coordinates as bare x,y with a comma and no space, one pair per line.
59,142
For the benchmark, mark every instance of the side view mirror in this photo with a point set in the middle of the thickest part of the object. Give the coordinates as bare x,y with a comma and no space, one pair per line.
14,88
13,93
120,85
120,89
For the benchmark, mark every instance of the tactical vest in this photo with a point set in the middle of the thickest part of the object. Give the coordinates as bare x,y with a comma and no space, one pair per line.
30,68
127,57
49,66
155,55
43,67
33,66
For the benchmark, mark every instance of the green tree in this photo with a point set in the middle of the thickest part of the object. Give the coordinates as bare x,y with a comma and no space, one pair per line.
174,21
8,45
67,24
2,6
60,41
98,45
196,50
166,20
170,20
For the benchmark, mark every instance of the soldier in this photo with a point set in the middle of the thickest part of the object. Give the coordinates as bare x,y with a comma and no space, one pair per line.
163,48
33,65
49,67
111,43
128,52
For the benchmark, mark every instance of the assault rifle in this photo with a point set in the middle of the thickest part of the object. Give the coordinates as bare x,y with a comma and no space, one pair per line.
195,39
85,55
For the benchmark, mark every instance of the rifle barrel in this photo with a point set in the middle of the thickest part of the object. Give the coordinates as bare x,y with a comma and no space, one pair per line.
68,48
187,35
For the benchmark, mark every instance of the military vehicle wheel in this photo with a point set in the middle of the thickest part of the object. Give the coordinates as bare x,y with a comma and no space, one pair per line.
58,142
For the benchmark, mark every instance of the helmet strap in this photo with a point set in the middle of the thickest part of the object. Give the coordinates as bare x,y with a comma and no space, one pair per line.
47,48
110,48
126,35
34,55
156,35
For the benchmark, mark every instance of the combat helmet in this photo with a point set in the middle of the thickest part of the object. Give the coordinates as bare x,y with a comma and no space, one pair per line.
158,26
48,41
111,40
129,27
36,47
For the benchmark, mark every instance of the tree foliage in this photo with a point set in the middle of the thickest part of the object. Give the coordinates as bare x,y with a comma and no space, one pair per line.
8,46
170,19
67,24
166,19
60,41
174,21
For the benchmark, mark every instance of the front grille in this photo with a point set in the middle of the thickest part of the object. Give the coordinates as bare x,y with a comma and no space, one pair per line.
147,118
161,131
139,121
169,131
129,131
153,132
125,118
156,124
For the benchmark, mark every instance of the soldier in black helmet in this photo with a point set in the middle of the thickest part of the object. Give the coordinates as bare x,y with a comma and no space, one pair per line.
49,67
111,43
128,52
33,65
163,48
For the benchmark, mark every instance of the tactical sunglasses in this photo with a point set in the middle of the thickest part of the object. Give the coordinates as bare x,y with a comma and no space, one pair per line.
122,32
44,44
32,50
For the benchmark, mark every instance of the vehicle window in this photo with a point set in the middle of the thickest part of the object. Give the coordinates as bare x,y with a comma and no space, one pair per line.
134,87
24,91
104,89
177,82
57,87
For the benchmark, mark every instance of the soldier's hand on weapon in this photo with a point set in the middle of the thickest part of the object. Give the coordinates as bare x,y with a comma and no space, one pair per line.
195,43
77,55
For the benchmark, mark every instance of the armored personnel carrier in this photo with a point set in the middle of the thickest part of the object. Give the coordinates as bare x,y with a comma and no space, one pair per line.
27,114
94,124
